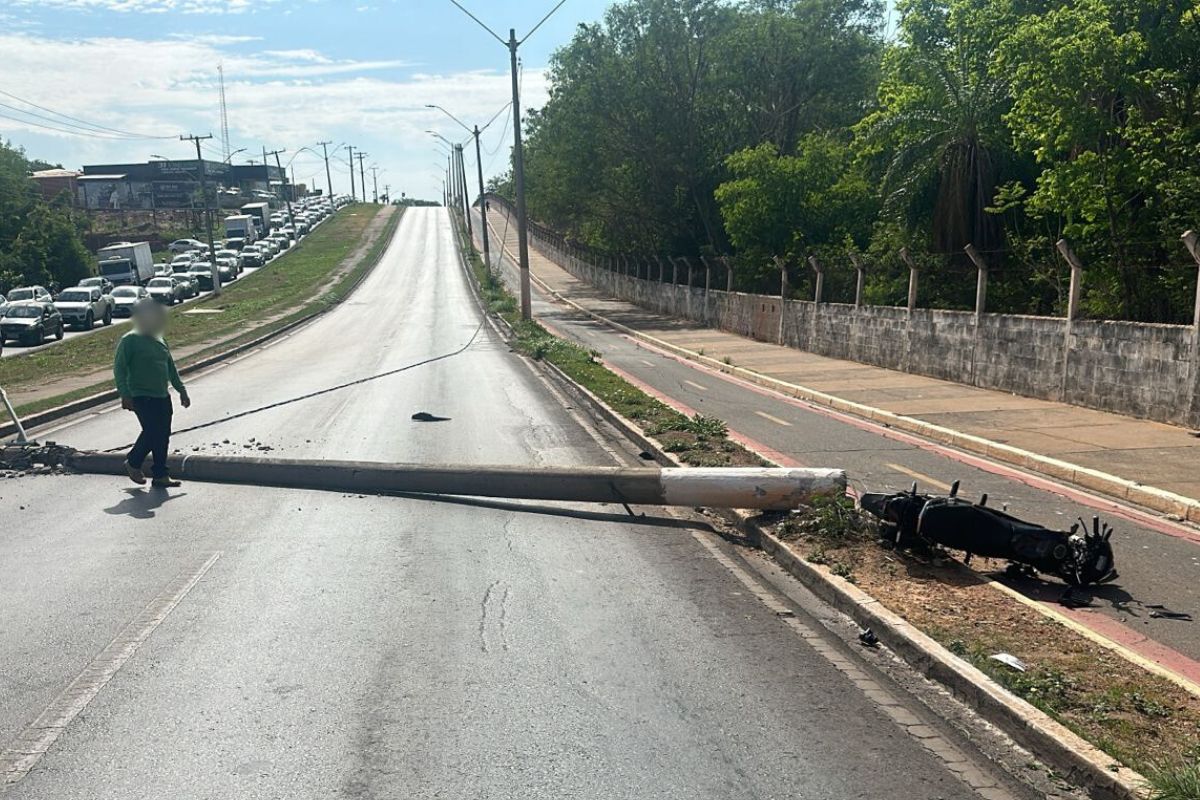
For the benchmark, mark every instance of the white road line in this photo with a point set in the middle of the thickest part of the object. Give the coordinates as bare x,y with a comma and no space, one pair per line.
647,363
695,385
24,752
920,476
776,420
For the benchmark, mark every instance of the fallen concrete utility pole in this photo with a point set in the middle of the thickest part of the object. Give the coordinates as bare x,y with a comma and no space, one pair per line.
21,437
732,487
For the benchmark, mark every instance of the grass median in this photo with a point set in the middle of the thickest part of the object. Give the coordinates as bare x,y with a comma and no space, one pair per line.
315,272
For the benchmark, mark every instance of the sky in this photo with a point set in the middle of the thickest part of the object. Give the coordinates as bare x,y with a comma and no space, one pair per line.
297,72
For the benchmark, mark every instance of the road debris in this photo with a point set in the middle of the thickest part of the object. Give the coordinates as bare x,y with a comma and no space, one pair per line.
1159,611
1080,556
425,416
1009,660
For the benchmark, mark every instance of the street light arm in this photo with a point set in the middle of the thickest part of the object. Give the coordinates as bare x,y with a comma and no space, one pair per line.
496,116
461,124
479,22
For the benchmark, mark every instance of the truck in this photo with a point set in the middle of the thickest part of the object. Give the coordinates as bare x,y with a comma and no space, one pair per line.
241,226
126,263
262,215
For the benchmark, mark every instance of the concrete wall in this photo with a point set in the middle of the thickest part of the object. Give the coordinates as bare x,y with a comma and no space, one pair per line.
1143,370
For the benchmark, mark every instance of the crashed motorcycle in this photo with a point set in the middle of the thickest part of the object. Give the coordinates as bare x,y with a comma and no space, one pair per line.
1081,556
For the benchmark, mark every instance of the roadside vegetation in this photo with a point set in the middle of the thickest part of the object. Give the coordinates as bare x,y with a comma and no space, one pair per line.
1142,720
313,273
763,129
697,441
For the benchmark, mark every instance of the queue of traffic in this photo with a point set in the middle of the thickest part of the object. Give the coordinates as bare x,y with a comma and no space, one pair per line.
126,273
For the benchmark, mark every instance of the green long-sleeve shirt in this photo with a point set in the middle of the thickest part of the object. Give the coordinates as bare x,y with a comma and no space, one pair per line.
143,367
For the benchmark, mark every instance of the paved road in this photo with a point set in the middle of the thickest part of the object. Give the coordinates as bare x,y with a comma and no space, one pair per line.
312,645
1155,568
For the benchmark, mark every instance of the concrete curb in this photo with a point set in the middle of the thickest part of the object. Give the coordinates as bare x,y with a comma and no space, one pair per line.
1079,761
1160,500
104,398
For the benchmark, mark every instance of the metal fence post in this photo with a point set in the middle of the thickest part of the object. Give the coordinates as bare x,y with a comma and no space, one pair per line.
1072,309
820,287
912,278
728,274
860,279
981,280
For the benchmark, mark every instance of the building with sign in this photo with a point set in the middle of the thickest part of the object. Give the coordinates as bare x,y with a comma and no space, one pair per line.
168,184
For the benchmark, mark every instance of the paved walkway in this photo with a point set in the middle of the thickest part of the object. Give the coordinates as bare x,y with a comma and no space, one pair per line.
1150,453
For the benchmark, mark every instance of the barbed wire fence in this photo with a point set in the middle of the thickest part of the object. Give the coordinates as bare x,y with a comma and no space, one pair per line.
1150,281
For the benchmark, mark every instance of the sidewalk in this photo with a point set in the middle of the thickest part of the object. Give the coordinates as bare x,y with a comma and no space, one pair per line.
1138,452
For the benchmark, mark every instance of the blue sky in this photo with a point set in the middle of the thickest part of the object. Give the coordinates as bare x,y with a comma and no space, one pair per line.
296,72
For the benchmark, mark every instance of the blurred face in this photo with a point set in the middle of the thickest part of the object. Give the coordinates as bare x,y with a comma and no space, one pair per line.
149,318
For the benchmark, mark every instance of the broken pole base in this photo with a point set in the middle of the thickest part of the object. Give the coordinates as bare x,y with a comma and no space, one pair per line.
775,489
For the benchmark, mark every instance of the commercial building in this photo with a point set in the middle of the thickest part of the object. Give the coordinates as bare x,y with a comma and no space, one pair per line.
53,182
168,184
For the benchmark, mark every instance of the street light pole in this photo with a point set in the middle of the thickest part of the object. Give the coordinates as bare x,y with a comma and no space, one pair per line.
362,174
466,195
328,174
487,255
513,44
519,179
350,151
212,250
287,190
375,183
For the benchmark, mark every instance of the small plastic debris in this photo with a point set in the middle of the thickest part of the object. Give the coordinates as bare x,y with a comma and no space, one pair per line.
1009,660
1159,611
868,638
425,416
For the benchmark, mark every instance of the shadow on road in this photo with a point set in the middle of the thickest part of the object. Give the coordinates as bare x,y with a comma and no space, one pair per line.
558,511
141,503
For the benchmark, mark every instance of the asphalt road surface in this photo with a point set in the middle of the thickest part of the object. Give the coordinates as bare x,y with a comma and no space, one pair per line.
221,641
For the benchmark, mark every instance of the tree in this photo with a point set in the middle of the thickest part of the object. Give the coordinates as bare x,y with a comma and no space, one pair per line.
939,130
39,242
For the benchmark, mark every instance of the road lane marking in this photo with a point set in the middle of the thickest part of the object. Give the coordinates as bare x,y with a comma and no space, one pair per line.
776,420
24,752
697,386
912,473
647,363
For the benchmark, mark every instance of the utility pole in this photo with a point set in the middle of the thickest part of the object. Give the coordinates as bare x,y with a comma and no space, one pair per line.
329,176
387,193
287,194
216,273
375,183
466,198
519,179
487,255
362,174
353,195
513,44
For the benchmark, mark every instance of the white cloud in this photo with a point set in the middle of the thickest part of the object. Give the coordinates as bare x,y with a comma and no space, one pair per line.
151,6
280,98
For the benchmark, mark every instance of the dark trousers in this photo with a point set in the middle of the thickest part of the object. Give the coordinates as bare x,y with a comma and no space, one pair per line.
154,414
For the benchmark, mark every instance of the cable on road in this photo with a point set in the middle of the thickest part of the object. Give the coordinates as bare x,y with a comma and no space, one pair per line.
319,392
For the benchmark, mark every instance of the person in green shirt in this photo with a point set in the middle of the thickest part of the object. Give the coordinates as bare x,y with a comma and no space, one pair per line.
143,369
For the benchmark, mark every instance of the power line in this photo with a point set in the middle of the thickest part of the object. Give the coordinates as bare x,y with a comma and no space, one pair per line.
97,126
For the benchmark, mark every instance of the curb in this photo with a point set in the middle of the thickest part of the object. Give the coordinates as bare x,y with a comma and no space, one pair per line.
1080,762
1160,500
103,398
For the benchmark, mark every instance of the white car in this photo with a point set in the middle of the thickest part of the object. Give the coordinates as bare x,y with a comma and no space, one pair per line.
183,245
37,294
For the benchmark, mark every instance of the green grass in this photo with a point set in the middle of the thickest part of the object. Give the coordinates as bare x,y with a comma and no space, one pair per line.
698,441
287,290
1175,781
